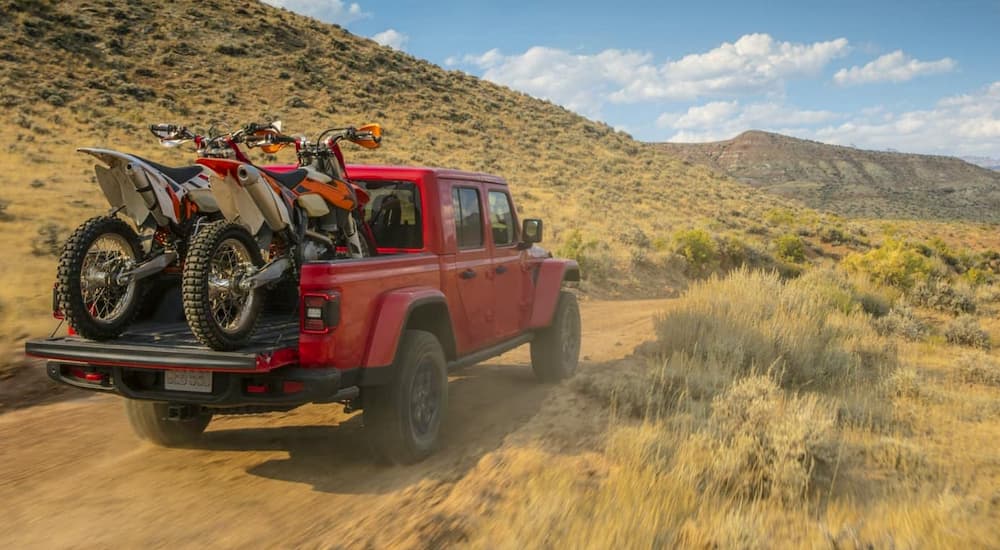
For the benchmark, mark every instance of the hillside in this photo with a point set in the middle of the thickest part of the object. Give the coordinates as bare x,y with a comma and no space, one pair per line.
96,73
851,181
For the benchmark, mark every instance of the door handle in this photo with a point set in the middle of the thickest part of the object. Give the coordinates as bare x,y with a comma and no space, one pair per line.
467,274
501,270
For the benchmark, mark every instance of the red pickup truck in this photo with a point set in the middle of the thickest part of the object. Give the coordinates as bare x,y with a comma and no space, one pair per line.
456,280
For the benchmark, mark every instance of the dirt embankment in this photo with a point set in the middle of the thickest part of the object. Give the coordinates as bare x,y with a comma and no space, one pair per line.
72,473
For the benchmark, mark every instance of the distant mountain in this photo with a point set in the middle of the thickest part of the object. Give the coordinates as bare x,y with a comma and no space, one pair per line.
985,162
853,181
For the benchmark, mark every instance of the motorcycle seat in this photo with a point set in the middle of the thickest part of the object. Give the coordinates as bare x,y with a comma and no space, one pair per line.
287,179
179,175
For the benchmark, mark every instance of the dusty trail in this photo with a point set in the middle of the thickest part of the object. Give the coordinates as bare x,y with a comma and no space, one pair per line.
72,474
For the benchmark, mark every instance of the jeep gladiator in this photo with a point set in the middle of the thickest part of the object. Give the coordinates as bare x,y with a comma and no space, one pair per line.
456,280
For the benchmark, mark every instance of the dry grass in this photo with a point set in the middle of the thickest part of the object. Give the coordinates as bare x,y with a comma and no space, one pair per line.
707,450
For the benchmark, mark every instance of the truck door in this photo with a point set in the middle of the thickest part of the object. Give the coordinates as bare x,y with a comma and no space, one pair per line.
510,302
472,270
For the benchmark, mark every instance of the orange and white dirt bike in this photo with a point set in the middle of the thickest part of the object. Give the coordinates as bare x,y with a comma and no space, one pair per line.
107,263
274,222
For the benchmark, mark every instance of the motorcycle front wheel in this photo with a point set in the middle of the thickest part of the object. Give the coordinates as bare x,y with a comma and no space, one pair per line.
94,293
220,310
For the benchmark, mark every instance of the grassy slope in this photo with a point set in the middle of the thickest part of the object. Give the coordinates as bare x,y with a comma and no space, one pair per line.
853,181
86,73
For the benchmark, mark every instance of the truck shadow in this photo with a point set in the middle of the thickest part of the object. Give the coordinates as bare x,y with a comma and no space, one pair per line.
486,403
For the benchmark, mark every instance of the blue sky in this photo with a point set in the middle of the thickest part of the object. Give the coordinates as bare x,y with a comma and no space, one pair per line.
918,77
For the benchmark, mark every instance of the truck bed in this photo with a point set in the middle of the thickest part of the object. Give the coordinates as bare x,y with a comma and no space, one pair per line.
161,345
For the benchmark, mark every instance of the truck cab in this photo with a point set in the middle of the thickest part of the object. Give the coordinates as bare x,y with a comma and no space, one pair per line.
457,279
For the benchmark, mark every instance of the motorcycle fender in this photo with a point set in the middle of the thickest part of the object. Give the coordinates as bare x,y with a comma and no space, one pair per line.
236,204
120,191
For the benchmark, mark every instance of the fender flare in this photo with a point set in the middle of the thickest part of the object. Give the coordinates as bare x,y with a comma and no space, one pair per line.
393,314
548,282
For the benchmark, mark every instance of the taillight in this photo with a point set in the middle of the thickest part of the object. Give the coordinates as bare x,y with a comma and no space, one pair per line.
320,312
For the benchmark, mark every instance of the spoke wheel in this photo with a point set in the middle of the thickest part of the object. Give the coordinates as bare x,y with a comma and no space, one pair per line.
93,289
221,311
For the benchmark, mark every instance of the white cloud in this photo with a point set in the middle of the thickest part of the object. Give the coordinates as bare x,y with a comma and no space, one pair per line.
722,120
330,11
966,124
755,63
392,38
892,67
580,83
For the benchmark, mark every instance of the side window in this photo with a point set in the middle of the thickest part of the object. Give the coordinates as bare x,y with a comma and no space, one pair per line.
468,219
501,219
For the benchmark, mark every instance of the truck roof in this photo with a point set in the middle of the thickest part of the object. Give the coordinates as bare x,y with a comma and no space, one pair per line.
362,171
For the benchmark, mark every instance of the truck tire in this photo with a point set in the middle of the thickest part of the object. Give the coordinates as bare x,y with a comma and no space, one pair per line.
220,253
555,350
149,421
99,307
403,418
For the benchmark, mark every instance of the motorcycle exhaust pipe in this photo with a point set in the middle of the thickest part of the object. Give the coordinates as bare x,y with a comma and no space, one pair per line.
262,195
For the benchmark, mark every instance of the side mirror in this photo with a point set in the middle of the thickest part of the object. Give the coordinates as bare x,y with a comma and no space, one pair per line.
531,232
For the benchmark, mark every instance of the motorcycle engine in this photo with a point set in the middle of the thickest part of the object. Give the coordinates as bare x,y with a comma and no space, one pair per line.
312,251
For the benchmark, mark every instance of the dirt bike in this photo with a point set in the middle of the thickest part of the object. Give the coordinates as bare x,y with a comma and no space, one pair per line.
106,263
293,217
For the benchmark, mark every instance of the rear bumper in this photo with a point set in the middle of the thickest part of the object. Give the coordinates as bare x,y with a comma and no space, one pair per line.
283,387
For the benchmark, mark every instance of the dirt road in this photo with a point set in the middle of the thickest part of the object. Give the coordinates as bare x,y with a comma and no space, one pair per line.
73,475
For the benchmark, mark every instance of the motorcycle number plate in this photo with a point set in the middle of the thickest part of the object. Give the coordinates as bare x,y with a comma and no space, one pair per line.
185,380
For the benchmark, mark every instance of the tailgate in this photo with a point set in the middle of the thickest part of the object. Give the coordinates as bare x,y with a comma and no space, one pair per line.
173,346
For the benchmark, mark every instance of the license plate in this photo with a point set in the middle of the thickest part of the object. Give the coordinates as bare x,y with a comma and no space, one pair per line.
187,380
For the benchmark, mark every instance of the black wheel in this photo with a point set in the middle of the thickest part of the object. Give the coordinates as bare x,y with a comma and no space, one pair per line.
222,313
403,418
94,295
555,351
149,421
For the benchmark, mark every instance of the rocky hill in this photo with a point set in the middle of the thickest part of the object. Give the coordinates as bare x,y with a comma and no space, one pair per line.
853,181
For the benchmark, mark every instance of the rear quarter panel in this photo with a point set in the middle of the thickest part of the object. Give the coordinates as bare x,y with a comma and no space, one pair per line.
363,286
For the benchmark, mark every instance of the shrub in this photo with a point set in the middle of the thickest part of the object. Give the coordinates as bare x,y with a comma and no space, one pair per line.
979,368
780,216
760,442
943,296
976,276
833,235
790,248
4,215
902,322
634,236
49,241
697,247
894,263
592,255
964,330
754,322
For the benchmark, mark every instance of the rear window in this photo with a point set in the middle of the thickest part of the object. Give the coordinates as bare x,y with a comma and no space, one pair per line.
393,213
